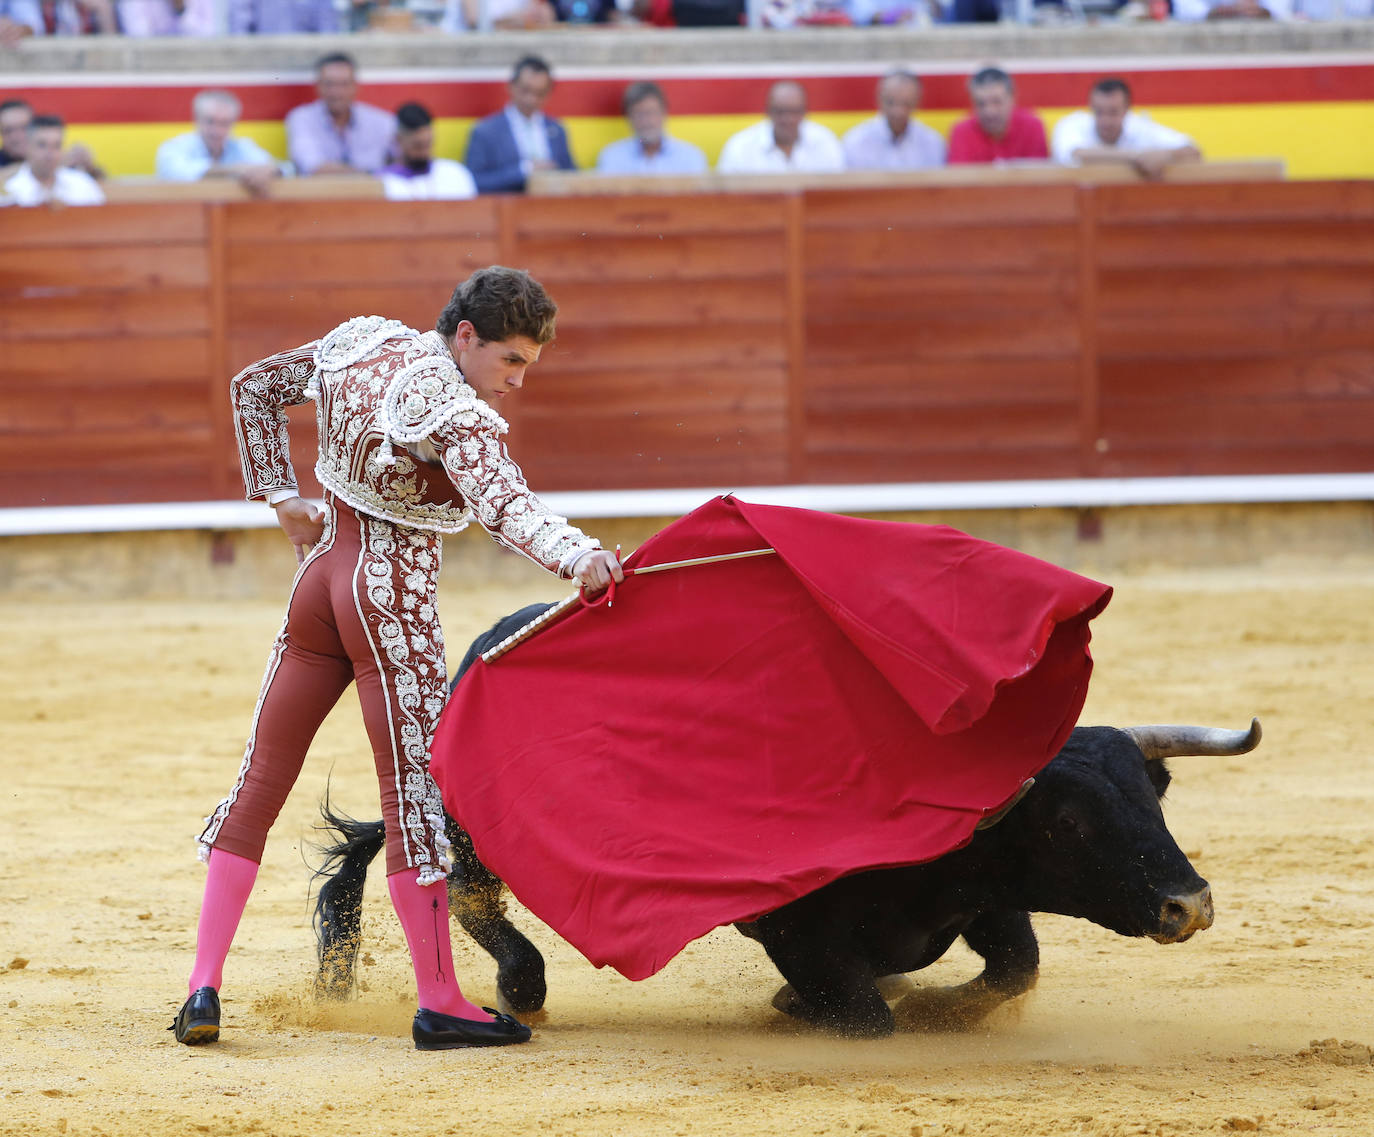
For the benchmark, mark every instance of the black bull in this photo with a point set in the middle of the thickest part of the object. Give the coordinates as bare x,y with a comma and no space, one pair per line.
1088,839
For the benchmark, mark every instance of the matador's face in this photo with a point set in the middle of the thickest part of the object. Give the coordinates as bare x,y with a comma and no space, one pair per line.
493,368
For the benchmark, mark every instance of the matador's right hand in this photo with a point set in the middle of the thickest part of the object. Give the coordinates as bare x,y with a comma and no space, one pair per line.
302,523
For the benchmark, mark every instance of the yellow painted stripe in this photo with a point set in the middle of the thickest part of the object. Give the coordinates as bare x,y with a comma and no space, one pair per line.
1316,140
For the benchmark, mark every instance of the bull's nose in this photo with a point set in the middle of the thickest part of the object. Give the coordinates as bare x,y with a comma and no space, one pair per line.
1182,915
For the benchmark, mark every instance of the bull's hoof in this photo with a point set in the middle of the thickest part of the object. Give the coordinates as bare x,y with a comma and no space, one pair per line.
789,1002
940,1009
894,987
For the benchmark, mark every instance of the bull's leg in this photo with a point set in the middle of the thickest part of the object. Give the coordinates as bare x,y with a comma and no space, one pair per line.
339,919
1011,955
830,982
475,895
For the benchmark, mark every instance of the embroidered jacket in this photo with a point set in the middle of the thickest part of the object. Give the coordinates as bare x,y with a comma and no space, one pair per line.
402,438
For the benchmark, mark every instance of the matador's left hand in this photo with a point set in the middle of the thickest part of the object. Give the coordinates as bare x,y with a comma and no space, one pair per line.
302,523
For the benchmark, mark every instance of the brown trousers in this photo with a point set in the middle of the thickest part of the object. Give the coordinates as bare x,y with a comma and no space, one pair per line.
362,610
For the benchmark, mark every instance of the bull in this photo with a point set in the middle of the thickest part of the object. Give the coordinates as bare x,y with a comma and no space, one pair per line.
1086,838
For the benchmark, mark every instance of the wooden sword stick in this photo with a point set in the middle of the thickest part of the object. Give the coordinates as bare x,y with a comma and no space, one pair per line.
544,619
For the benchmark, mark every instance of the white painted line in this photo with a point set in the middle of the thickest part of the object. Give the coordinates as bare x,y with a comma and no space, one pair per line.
908,497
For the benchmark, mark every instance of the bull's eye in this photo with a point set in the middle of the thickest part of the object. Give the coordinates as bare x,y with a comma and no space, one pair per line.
1067,824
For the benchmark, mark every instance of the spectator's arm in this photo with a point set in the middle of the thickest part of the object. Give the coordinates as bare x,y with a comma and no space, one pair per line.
489,176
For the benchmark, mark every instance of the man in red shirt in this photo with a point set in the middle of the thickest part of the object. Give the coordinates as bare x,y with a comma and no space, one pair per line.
998,130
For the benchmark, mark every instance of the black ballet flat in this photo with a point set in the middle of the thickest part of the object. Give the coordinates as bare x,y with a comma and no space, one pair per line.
433,1031
198,1020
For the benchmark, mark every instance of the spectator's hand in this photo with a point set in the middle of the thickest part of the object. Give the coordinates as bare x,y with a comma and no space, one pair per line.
595,569
302,523
79,157
11,33
1151,164
257,179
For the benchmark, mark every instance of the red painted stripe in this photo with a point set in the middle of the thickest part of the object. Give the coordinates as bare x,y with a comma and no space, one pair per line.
601,97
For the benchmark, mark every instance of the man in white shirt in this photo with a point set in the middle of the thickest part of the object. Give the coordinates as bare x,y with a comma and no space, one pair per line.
1110,132
42,179
650,149
786,142
211,150
893,139
418,175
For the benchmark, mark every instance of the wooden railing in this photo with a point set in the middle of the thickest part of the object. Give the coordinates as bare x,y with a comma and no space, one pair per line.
818,335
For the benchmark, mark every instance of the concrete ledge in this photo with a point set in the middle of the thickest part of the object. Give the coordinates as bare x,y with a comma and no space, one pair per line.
649,48
1069,493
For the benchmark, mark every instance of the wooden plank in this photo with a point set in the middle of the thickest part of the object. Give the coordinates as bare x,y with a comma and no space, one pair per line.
293,221
689,304
1030,426
53,409
1171,287
121,225
1254,244
988,248
647,217
924,207
636,349
833,297
1300,374
1206,422
217,363
1154,205
174,478
796,339
386,261
1168,460
946,335
661,391
113,266
568,260
139,360
1232,331
299,314
904,387
71,311
932,465
1090,442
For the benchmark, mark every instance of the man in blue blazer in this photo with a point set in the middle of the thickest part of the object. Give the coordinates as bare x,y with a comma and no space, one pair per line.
505,147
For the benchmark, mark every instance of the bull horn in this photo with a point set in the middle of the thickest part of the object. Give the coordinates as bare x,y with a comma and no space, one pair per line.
1157,742
993,818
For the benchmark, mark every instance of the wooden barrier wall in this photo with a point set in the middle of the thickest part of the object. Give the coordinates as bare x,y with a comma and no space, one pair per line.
811,336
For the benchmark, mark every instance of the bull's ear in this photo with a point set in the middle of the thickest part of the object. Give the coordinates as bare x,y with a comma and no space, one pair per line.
1157,770
993,818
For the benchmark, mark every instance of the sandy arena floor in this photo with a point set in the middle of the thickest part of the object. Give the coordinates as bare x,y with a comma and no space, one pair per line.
123,725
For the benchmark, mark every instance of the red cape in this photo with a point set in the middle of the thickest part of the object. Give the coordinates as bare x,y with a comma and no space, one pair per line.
726,738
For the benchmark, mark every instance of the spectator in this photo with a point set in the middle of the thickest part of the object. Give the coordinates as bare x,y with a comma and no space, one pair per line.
1190,10
893,139
998,129
42,179
785,142
211,151
167,17
418,175
651,150
281,17
22,18
335,134
506,15
506,147
15,116
1112,133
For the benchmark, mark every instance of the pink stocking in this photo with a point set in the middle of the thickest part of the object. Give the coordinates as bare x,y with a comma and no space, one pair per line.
423,912
227,885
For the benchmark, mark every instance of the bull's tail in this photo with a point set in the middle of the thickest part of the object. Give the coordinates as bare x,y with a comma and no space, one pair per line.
338,914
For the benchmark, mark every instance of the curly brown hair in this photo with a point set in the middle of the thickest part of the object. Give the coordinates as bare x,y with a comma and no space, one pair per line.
500,303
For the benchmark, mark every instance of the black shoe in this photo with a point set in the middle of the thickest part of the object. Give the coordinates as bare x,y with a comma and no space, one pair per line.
198,1020
433,1031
